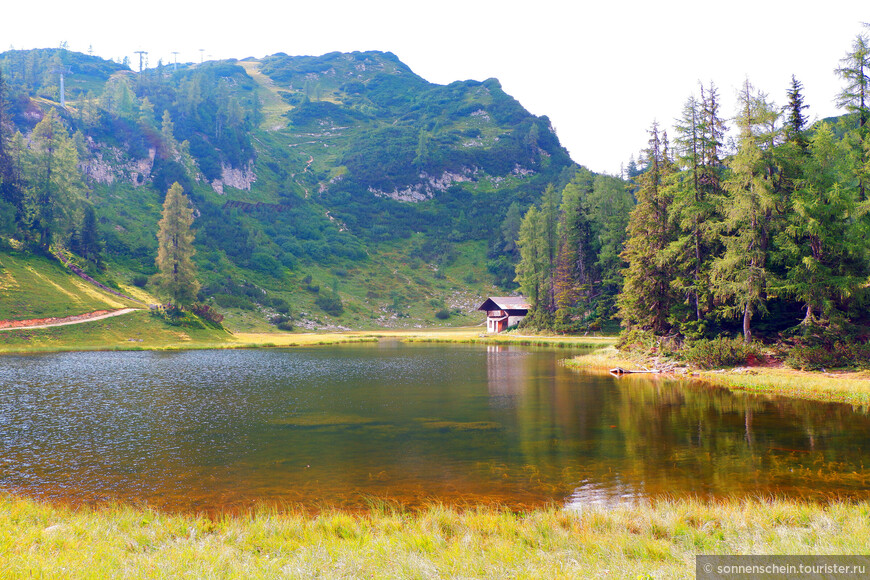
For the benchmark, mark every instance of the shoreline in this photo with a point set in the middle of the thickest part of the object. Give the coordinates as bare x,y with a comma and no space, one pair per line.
848,387
244,340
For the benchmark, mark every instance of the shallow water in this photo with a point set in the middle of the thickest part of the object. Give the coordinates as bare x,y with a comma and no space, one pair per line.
341,426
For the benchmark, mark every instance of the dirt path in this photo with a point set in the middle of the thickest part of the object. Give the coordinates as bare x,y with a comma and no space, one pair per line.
65,321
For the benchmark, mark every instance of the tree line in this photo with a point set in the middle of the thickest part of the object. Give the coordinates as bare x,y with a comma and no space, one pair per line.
765,237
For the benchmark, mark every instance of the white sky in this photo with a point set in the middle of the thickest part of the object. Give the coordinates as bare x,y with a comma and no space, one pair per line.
601,71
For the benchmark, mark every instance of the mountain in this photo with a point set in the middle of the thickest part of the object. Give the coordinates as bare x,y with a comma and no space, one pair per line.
342,178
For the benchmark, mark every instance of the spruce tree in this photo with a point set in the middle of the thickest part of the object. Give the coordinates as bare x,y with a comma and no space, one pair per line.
89,241
647,297
741,276
11,191
550,205
574,271
692,209
176,275
795,119
610,206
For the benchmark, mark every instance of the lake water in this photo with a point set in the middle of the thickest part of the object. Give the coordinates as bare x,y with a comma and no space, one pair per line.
339,426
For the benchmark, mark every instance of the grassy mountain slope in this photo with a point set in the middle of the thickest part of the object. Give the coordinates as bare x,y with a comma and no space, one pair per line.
341,175
35,287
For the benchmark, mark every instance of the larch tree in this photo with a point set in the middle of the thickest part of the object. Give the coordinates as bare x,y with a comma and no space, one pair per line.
855,98
533,267
176,275
53,177
821,237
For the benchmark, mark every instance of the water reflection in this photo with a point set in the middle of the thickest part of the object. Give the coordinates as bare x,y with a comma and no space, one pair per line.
206,430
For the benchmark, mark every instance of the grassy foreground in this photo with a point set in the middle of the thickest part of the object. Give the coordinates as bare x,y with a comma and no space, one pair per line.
839,387
655,540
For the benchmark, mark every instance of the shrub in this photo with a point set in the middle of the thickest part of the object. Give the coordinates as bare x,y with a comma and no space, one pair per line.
208,314
140,281
229,301
838,354
330,303
718,352
177,316
442,314
288,326
280,305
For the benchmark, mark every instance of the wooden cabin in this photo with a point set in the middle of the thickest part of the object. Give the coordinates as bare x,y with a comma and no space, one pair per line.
504,311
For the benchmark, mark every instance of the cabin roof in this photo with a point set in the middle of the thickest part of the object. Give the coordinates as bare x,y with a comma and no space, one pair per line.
505,303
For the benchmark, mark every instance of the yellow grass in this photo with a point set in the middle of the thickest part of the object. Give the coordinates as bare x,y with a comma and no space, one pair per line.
659,539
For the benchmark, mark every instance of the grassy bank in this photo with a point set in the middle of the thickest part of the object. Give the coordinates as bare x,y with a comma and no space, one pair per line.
477,335
139,330
840,387
655,540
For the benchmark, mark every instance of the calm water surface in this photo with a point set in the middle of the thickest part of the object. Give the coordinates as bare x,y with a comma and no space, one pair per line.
223,430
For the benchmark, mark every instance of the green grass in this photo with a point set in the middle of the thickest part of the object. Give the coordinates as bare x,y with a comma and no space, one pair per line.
134,331
35,287
648,540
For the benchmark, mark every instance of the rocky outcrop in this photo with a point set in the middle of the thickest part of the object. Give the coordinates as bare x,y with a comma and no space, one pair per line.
431,185
236,178
108,165
428,187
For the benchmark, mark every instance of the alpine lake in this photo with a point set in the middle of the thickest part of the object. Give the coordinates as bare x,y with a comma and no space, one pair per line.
349,426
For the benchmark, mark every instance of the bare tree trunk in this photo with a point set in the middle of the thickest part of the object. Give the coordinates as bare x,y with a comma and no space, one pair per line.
747,332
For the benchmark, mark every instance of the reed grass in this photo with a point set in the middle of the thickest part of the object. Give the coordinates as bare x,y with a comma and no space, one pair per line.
658,539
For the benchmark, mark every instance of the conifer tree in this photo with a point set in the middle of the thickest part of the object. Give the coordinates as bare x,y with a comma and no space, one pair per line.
533,267
693,207
89,241
176,275
741,276
855,98
574,268
825,245
796,120
610,206
167,132
10,187
53,176
647,296
550,205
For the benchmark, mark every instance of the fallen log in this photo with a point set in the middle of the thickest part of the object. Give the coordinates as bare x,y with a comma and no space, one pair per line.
618,371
